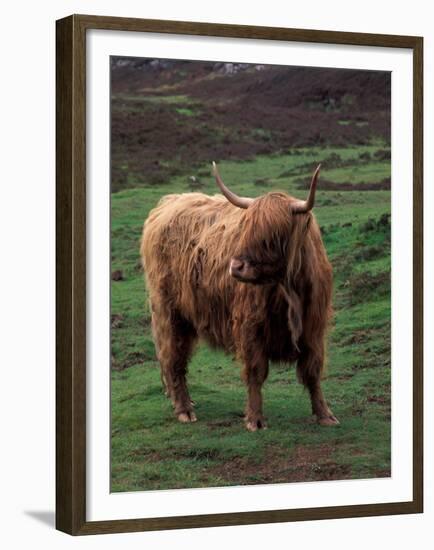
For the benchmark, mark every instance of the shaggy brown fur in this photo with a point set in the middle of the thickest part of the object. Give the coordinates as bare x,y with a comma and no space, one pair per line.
281,313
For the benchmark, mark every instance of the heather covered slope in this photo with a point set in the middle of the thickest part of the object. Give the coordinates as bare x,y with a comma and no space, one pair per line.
171,117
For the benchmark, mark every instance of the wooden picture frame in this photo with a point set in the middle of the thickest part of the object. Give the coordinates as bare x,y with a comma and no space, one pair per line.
71,274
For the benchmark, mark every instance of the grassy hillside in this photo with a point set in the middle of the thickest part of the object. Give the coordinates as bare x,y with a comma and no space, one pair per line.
150,449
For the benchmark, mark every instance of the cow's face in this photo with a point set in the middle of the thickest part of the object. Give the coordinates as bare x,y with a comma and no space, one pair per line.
270,236
272,233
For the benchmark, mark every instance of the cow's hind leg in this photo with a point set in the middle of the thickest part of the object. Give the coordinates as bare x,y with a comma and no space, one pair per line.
309,369
174,340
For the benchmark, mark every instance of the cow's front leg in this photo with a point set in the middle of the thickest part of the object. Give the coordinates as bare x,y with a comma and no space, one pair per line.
254,375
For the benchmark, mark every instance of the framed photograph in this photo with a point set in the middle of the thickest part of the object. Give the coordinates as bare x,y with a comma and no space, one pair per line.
239,275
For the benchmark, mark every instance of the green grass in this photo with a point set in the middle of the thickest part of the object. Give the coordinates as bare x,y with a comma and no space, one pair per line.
186,111
181,104
150,450
147,98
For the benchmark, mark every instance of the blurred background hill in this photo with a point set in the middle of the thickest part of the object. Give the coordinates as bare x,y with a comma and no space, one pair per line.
170,117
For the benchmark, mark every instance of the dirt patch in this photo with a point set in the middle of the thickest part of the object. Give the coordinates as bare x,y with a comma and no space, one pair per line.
117,275
361,336
262,182
384,472
149,456
341,377
380,399
218,424
134,358
383,185
372,224
382,154
331,161
367,253
116,320
279,466
364,285
145,322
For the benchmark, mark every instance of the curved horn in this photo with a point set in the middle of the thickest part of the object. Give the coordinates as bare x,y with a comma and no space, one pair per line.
241,202
301,207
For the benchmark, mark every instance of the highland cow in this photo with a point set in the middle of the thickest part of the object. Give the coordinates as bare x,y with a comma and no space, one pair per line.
250,276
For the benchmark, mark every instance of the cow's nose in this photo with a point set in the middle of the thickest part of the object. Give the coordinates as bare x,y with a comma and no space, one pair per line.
237,265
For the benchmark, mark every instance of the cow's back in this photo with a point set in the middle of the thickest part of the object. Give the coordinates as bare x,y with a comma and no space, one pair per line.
178,223
186,247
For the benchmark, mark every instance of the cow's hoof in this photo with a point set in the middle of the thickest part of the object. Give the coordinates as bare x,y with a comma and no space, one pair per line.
255,425
328,420
187,417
